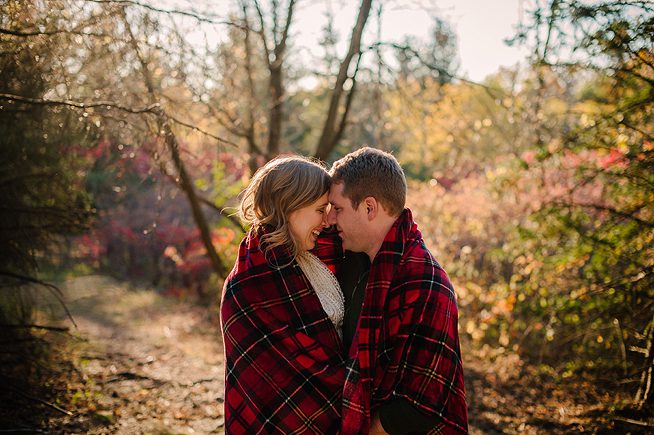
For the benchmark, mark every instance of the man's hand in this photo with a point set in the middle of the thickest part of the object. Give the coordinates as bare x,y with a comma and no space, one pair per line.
376,427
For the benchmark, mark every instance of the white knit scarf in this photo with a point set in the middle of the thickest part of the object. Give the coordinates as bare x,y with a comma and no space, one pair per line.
326,287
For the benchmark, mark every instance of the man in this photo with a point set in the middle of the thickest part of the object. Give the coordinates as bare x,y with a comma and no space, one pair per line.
403,369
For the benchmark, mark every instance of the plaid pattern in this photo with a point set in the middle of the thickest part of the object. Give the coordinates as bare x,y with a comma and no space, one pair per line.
406,344
284,370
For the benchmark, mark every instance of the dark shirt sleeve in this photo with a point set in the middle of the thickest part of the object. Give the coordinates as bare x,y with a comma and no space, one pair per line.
399,417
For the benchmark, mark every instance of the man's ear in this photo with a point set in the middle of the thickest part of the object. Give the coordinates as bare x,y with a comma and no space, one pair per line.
372,207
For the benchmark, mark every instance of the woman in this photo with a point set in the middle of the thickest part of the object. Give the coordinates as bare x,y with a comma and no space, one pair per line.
282,308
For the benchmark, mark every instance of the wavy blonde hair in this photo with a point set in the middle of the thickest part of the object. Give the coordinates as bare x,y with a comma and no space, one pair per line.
280,187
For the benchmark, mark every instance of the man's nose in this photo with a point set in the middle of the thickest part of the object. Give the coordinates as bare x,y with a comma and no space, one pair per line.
331,216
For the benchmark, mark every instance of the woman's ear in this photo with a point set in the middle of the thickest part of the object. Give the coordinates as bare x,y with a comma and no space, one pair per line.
372,207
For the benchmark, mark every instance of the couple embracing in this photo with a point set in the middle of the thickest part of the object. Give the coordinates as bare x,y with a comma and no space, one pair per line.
336,318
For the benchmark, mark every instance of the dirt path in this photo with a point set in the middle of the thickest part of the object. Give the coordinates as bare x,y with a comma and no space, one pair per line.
155,365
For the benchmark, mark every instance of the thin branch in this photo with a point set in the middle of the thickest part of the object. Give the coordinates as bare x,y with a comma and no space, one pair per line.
32,326
196,16
348,102
634,422
492,91
27,33
44,402
152,108
56,291
199,130
222,211
611,210
78,104
281,47
262,32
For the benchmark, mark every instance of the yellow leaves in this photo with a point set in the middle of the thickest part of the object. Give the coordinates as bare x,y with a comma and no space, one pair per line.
549,333
504,339
473,330
531,266
622,143
522,297
586,121
555,106
504,306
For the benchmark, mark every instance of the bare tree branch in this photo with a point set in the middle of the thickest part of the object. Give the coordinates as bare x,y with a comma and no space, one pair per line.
194,15
32,326
199,130
613,211
262,32
170,140
348,102
78,104
327,142
493,92
251,133
56,291
221,210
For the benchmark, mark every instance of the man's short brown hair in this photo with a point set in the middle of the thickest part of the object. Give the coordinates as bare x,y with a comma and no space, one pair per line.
371,172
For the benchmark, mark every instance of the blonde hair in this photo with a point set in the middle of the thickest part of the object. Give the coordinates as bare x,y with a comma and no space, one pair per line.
280,187
372,172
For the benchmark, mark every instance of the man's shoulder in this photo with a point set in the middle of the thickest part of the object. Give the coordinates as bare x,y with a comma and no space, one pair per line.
416,251
419,265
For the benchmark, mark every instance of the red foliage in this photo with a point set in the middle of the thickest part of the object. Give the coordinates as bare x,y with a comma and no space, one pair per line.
145,230
615,158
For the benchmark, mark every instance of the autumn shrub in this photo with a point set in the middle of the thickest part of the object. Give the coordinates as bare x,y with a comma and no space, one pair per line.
546,260
145,231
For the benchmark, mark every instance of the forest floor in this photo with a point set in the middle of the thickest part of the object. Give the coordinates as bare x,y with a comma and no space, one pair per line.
139,362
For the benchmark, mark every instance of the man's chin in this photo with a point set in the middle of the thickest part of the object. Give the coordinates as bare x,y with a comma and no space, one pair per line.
348,247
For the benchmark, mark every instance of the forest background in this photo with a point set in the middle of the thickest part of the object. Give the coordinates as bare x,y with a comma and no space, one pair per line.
125,145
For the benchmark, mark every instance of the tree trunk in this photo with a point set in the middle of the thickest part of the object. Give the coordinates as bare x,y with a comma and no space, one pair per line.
644,395
251,133
276,68
276,111
189,189
173,147
329,134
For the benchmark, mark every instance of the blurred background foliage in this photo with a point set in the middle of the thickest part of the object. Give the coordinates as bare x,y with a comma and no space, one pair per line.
534,189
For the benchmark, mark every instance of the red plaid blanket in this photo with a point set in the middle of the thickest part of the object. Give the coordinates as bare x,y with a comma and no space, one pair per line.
407,343
284,370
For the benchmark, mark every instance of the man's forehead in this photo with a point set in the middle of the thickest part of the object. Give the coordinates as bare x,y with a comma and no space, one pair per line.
336,193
